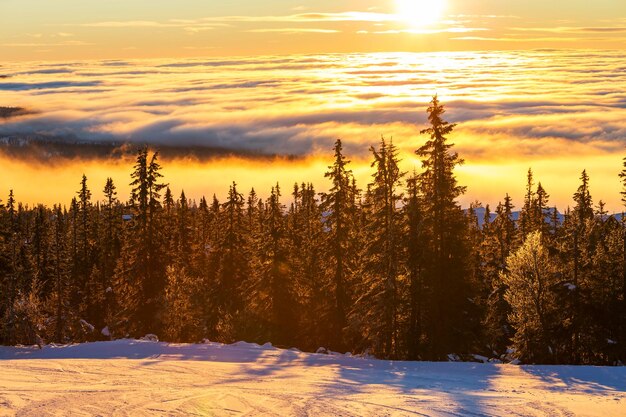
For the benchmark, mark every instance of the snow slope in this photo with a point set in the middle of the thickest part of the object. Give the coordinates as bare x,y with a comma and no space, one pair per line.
136,378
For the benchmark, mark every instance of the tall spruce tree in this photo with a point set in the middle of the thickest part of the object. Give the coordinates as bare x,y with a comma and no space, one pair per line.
622,175
6,281
40,242
377,310
541,211
499,242
339,208
526,215
15,277
445,251
414,265
140,275
579,244
535,211
272,291
59,299
234,264
305,233
88,286
477,227
110,236
606,273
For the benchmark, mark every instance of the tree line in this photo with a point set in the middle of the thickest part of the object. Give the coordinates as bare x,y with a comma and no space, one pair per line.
397,269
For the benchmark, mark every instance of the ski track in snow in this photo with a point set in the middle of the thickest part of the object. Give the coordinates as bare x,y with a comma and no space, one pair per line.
141,378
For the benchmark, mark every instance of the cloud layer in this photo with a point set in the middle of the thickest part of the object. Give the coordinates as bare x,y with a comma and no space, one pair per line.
513,108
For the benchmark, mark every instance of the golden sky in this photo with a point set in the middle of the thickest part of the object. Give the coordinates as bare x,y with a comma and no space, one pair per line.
89,29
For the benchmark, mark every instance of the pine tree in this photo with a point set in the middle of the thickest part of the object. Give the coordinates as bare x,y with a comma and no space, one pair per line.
535,211
5,274
85,283
73,236
476,276
182,317
29,315
140,275
338,206
4,266
169,226
377,309
444,225
234,264
272,291
17,281
110,236
60,290
41,248
583,249
623,321
623,315
605,297
204,266
499,242
209,267
184,232
529,279
305,236
541,211
414,265
526,215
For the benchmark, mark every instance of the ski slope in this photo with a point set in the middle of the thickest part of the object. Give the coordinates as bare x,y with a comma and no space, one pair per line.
139,378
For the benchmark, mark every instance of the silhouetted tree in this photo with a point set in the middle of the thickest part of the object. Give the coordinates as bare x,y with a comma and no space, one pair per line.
445,251
377,309
339,208
414,264
140,275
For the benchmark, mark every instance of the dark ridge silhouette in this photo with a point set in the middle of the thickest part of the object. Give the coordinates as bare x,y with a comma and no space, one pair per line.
46,148
6,112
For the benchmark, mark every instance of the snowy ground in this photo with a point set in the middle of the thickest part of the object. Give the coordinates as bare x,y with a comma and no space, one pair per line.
136,378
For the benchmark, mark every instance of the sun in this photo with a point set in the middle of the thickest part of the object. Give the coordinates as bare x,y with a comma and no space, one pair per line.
420,13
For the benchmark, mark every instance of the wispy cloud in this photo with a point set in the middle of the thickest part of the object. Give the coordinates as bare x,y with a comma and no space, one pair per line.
525,39
572,29
423,31
293,30
127,24
217,21
45,44
354,16
484,16
350,24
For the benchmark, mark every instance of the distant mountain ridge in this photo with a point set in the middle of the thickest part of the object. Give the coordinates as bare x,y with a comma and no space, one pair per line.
480,213
6,112
45,147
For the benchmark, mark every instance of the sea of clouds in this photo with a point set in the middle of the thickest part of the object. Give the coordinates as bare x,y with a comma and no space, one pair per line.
546,108
520,103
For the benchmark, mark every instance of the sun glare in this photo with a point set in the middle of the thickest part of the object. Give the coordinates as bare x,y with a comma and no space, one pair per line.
420,13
